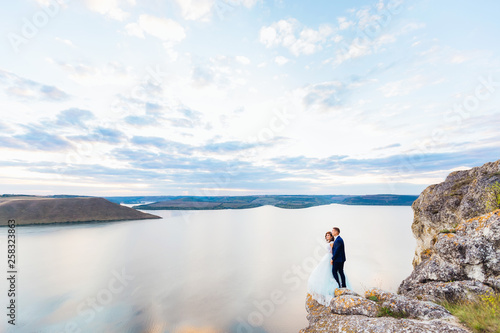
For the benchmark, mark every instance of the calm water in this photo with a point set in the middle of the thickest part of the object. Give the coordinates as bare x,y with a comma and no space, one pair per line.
198,271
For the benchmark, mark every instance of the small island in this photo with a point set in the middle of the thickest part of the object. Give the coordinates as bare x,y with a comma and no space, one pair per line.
35,210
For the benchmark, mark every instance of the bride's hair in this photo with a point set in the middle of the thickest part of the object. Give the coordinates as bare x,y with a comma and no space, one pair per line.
331,235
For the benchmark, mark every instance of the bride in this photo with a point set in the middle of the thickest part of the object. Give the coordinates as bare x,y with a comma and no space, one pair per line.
321,284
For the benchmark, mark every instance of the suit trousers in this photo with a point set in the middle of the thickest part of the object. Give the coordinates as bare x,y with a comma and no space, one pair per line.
338,269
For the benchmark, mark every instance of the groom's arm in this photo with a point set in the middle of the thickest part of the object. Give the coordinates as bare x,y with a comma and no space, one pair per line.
334,250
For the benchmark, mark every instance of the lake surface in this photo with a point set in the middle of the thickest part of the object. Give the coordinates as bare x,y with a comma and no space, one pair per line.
198,271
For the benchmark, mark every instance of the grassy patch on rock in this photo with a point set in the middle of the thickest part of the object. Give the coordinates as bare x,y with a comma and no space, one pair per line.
493,196
482,316
447,231
387,312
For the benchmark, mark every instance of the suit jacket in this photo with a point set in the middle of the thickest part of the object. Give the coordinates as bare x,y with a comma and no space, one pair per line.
338,253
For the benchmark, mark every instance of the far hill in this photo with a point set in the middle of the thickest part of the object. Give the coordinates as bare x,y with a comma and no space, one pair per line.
42,210
381,200
280,201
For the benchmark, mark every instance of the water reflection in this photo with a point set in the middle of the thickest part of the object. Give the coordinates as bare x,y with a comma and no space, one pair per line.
201,271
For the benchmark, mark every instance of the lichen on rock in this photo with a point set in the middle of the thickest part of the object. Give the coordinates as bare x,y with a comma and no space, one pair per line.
354,305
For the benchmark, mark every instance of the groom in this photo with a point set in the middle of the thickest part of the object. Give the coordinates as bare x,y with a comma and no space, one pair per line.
338,258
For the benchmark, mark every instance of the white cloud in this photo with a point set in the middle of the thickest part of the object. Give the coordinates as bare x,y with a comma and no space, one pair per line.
458,59
195,9
201,10
20,88
220,72
280,60
65,41
357,48
165,29
290,34
412,26
242,60
360,47
249,3
337,38
43,2
268,36
134,29
90,75
402,87
109,8
344,23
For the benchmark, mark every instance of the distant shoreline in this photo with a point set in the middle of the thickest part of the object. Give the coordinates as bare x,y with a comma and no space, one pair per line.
254,201
64,209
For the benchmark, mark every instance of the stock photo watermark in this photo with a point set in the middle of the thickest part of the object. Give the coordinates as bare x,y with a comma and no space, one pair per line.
32,25
460,111
91,306
12,274
292,278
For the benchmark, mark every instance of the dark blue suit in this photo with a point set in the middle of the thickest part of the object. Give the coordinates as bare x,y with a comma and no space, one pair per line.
338,258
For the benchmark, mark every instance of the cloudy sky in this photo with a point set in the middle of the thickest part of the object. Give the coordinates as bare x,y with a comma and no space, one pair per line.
235,97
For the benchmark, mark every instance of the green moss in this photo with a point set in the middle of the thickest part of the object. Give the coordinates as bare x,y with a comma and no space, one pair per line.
492,196
387,312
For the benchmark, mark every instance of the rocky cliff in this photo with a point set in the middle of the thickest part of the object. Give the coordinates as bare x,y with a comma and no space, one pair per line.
460,197
458,239
42,210
457,257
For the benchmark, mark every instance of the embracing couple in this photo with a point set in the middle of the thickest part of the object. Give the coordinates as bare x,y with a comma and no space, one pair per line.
329,273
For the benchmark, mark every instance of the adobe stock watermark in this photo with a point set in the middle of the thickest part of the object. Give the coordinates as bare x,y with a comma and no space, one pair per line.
32,25
88,308
460,111
292,278
483,91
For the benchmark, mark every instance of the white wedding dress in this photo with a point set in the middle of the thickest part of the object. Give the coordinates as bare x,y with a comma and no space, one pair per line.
321,284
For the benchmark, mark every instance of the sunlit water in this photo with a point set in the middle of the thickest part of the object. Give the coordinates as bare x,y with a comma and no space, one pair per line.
197,271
